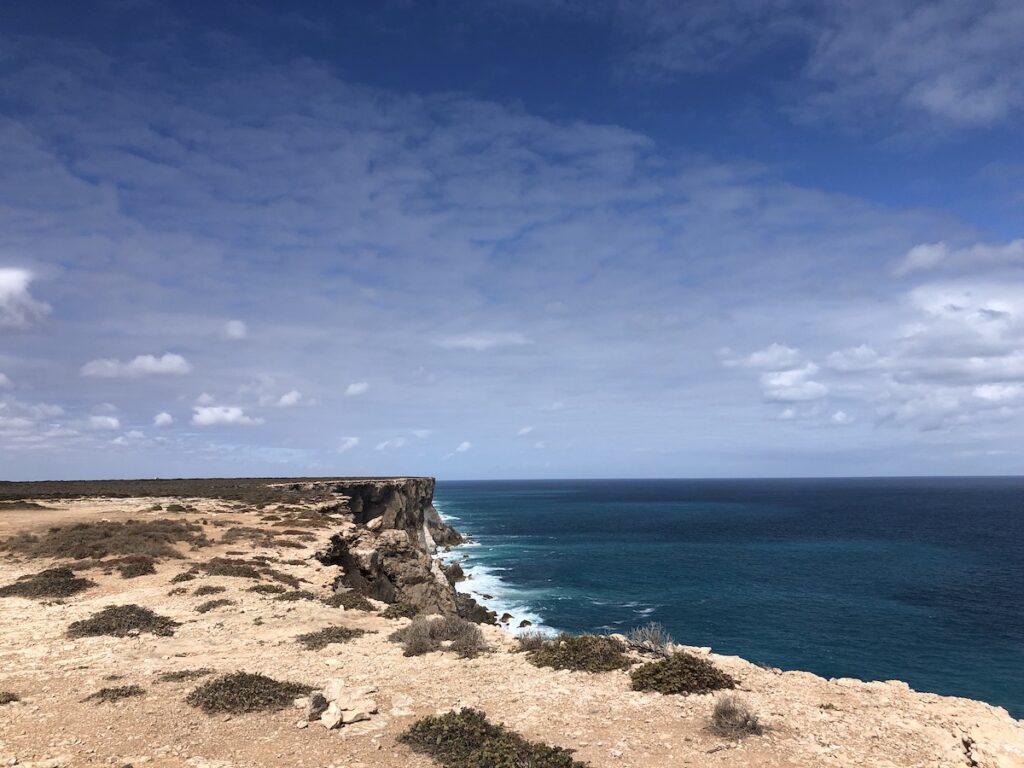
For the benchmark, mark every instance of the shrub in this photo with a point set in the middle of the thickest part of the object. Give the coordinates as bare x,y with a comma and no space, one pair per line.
208,589
185,576
8,697
210,605
182,675
424,635
283,578
241,692
466,739
110,695
400,611
177,591
582,653
532,640
316,641
350,601
267,589
152,538
298,594
133,566
226,566
733,717
650,637
680,673
121,621
53,582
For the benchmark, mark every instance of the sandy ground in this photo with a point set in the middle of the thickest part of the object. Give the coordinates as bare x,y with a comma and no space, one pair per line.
812,722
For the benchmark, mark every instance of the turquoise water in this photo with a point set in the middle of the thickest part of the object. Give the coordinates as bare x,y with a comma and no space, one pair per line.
911,579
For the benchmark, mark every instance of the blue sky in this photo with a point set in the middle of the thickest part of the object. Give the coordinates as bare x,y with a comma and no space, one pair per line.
515,239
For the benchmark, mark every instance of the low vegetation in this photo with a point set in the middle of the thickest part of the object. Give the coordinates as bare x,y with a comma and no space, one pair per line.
241,692
133,566
350,601
400,611
53,582
425,635
184,675
650,638
466,739
208,589
110,695
121,621
231,567
532,640
8,697
680,673
184,576
267,589
152,538
211,605
581,653
733,717
317,641
298,594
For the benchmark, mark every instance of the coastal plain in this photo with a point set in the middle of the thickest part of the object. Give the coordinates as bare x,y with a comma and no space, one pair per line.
379,538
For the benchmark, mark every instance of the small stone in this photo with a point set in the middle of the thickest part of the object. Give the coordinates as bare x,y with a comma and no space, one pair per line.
330,720
302,724
354,716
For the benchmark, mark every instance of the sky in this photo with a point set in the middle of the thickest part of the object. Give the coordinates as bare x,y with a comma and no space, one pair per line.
520,239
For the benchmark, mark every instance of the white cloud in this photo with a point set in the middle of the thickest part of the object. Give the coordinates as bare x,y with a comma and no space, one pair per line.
222,415
205,398
290,399
357,388
393,443
4,381
420,434
860,358
143,365
464,446
18,309
163,419
999,393
104,422
481,342
794,385
842,417
939,255
235,330
524,431
347,444
774,357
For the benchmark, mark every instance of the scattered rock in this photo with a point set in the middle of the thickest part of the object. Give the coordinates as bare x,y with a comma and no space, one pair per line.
316,705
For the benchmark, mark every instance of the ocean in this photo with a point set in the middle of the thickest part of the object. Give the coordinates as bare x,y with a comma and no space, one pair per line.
914,579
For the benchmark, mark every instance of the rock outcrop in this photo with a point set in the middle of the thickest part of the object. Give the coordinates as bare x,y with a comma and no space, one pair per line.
387,553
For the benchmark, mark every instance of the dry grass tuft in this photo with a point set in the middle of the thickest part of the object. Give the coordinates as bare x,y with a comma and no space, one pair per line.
581,653
733,717
241,692
651,638
121,621
53,582
425,635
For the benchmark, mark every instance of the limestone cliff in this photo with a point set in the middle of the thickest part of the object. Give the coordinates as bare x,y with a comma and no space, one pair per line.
387,549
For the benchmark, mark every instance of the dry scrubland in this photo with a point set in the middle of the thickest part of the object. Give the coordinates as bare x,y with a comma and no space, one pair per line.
189,624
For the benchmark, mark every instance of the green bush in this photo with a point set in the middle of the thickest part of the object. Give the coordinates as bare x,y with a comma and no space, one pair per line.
581,653
316,641
466,739
121,621
241,692
53,582
680,673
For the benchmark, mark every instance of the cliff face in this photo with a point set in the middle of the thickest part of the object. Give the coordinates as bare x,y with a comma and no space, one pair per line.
386,551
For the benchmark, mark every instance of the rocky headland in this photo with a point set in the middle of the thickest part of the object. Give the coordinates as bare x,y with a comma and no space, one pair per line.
270,622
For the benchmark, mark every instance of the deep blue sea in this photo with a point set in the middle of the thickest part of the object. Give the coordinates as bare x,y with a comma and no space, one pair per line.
915,579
